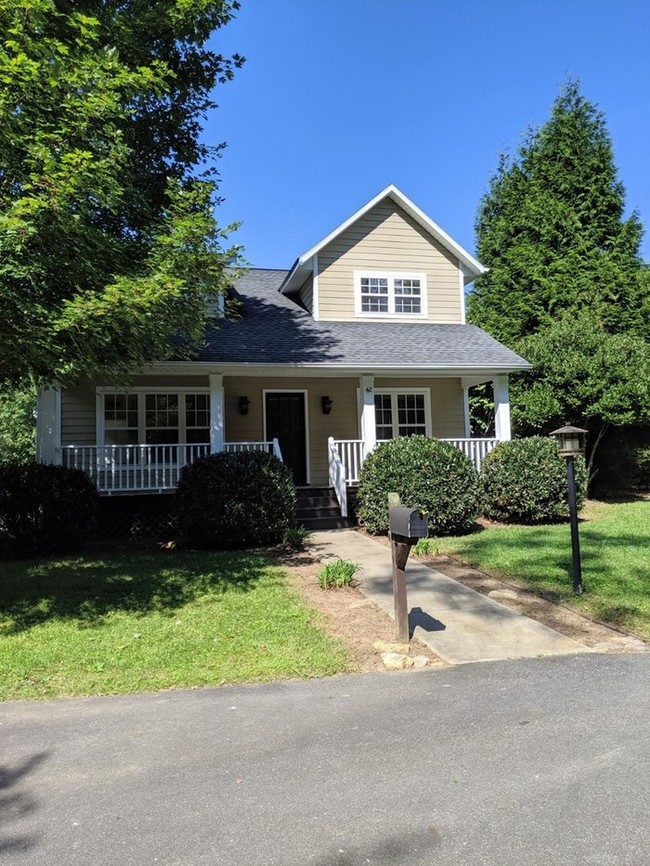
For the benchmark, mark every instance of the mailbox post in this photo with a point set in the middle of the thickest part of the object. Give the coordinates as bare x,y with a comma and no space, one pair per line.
406,525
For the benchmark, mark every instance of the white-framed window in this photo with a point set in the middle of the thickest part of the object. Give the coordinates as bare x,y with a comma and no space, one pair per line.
153,416
402,412
403,295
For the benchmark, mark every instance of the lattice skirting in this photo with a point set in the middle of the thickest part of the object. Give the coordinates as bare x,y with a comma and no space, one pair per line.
135,518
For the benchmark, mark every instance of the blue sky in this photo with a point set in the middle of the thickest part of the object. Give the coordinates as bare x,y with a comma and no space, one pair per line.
339,98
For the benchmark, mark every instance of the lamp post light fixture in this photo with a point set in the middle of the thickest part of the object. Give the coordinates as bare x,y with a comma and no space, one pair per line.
571,443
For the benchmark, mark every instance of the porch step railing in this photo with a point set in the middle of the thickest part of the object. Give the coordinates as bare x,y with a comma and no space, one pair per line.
145,468
351,454
337,470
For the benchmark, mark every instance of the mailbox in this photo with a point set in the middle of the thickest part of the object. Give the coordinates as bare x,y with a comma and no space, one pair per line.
408,522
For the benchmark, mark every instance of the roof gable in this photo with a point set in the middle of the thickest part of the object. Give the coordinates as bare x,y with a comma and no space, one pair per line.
304,264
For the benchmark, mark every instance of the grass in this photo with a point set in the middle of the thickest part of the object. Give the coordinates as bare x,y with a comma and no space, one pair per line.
337,574
615,549
91,625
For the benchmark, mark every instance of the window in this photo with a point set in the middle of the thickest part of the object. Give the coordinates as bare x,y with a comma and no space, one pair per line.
401,414
156,418
390,294
197,418
121,419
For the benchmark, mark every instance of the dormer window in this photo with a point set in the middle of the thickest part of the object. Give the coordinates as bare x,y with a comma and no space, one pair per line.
390,294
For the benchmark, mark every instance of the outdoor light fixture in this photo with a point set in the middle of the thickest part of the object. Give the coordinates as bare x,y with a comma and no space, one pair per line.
571,443
327,404
244,403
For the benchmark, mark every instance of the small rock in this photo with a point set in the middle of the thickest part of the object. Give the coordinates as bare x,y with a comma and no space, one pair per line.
385,647
503,593
420,661
364,603
396,661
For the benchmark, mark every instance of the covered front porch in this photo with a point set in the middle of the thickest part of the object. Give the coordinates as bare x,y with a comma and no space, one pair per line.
137,439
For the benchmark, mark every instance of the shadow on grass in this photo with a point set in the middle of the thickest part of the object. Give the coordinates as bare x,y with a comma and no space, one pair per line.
87,588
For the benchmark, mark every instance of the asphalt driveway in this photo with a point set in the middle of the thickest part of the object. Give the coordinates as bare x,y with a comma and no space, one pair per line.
513,763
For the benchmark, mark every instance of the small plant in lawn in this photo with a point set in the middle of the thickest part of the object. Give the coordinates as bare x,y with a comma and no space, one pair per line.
336,574
295,538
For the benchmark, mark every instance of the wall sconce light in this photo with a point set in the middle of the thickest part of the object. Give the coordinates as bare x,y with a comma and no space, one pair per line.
326,404
244,403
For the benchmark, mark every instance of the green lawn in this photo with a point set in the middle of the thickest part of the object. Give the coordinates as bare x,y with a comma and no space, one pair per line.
144,621
615,547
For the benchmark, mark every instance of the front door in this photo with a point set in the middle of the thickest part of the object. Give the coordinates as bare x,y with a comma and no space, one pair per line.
285,421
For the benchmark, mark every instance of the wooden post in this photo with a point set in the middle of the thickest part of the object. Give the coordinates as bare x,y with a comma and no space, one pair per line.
400,555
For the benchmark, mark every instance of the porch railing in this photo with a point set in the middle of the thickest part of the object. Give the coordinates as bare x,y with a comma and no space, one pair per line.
145,468
351,454
337,472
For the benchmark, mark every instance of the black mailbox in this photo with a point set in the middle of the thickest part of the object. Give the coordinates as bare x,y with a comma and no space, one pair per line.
408,522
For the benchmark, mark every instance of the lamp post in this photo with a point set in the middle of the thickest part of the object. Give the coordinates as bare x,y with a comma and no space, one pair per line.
570,443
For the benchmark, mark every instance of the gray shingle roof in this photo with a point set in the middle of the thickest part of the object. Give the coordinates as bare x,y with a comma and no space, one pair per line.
272,329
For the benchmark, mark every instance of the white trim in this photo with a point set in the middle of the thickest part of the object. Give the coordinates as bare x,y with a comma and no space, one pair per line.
461,280
315,291
305,393
501,409
367,415
48,425
466,416
333,369
394,392
217,413
390,276
473,267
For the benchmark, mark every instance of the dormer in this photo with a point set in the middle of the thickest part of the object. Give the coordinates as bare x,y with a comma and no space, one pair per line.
388,262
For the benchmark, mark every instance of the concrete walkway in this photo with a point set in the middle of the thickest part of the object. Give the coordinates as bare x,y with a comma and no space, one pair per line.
459,624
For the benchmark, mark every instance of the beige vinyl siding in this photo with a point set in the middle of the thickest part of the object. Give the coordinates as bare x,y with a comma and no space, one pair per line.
306,294
447,407
342,423
387,239
78,415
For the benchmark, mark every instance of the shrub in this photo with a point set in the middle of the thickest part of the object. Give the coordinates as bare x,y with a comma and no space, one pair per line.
295,538
427,474
338,573
45,508
232,500
525,481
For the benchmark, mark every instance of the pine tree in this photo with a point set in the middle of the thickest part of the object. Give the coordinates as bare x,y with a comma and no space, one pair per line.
551,231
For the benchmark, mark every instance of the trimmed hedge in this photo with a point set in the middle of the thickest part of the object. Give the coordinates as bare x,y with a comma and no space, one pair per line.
45,509
525,481
234,500
428,474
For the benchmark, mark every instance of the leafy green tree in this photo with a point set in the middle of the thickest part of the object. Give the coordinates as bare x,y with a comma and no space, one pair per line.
551,231
108,241
585,376
17,425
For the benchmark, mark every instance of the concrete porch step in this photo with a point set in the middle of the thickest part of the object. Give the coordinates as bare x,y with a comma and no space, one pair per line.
318,508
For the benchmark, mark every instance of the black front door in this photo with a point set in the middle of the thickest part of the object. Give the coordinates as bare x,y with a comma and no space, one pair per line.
285,421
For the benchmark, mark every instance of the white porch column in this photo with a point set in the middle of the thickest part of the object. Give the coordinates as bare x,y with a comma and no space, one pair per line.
48,425
216,413
368,426
501,409
466,417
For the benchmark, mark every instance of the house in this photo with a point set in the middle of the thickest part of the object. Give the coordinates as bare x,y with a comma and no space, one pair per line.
362,340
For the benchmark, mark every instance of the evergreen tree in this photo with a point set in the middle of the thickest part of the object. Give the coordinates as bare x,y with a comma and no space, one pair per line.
552,233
